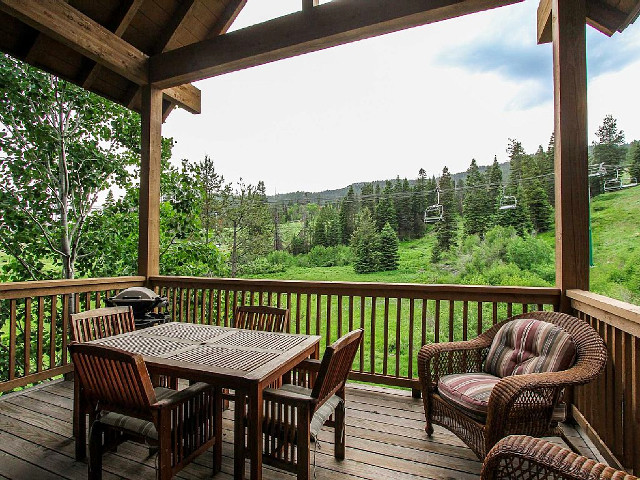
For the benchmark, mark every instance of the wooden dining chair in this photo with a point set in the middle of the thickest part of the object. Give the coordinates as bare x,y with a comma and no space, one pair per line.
295,412
93,325
265,318
116,388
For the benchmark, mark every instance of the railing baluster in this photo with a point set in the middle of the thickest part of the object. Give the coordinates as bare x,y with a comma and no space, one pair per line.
465,320
12,339
65,320
436,331
328,320
451,325
362,309
339,316
385,349
479,327
40,353
52,331
398,341
372,368
411,326
27,336
298,304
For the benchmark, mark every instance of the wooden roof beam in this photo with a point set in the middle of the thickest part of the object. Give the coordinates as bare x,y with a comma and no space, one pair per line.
601,16
324,26
169,35
60,21
227,18
605,18
118,26
544,22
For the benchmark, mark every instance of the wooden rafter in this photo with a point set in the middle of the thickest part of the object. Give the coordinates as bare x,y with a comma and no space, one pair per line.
65,24
177,19
309,4
227,18
325,26
600,15
118,26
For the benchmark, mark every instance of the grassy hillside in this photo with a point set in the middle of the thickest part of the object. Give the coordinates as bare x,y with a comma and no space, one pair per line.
615,220
506,260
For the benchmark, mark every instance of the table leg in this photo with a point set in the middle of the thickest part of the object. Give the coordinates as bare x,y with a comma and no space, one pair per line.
79,422
238,437
255,432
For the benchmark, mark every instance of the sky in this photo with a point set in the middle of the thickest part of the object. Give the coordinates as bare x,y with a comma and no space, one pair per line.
427,97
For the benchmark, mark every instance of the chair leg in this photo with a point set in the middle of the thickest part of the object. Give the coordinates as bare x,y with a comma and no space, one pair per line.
95,452
339,432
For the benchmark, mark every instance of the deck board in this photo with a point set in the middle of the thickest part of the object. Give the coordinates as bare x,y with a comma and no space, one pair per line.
385,441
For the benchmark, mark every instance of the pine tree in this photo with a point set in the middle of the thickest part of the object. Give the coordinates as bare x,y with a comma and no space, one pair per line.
388,258
634,167
518,217
365,243
367,197
326,230
348,208
494,189
609,150
516,154
535,195
446,229
475,208
385,210
402,205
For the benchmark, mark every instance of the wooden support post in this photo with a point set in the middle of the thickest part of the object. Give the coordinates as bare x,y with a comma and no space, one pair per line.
149,210
571,169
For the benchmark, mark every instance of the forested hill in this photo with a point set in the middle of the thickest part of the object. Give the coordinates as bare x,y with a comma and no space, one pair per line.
332,196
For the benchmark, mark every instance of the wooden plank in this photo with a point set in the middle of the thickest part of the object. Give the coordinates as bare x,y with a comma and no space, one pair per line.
50,287
570,126
544,22
231,12
27,336
12,339
178,17
604,17
150,169
118,26
621,315
327,25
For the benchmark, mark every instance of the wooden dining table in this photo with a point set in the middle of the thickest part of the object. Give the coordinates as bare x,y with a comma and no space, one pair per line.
247,361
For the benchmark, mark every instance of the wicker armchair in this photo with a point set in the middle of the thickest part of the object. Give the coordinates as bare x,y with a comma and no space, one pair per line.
116,389
528,458
518,404
296,411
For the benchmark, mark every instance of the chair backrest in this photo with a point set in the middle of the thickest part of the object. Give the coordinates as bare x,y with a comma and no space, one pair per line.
101,322
591,352
336,364
267,319
116,380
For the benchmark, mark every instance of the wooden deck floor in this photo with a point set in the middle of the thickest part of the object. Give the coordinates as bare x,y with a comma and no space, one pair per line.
385,441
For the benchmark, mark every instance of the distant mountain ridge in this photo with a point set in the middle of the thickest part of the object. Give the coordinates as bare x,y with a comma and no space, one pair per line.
332,196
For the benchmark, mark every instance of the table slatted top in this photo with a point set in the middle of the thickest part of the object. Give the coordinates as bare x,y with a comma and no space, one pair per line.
212,350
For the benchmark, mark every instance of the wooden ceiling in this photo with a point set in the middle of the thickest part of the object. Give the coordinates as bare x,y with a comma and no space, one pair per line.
68,39
112,47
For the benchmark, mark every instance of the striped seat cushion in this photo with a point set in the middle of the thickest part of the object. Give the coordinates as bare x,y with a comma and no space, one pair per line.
470,393
529,346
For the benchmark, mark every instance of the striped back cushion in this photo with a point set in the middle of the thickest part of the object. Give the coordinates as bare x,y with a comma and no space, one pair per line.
529,346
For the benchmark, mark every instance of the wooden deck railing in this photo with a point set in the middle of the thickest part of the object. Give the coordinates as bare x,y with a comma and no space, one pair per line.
397,318
34,324
609,408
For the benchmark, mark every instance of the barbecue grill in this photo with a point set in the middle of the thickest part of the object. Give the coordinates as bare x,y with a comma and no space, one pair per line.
143,301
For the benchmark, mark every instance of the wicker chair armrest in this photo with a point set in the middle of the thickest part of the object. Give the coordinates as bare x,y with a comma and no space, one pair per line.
526,458
438,359
285,397
182,396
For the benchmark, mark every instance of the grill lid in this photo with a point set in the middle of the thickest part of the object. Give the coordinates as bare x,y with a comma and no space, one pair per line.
141,299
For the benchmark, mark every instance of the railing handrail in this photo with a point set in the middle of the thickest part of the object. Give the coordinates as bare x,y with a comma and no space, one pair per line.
14,290
380,289
622,315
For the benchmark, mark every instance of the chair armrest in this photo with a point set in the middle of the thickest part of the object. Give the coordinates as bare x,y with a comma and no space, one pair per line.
285,397
522,456
182,396
438,359
524,403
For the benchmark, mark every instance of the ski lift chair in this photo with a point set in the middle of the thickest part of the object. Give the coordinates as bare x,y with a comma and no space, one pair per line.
613,184
508,202
433,214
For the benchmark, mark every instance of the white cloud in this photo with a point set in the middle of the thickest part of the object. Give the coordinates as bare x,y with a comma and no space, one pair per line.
381,107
